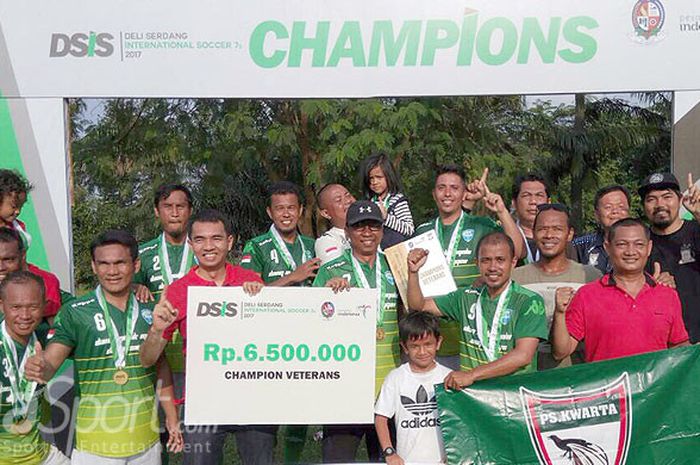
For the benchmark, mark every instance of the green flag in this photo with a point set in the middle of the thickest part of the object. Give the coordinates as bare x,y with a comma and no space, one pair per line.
633,410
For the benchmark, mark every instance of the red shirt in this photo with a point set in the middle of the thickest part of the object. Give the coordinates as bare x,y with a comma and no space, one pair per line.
615,324
53,289
177,294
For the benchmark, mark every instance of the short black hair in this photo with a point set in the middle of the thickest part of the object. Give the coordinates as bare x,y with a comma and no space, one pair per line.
283,188
164,190
9,235
209,215
626,223
603,191
493,238
530,177
558,207
319,194
11,182
116,236
451,168
415,325
393,182
22,277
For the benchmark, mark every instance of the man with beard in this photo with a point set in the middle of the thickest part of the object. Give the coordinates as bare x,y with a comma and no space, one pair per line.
676,242
611,203
625,312
333,203
502,323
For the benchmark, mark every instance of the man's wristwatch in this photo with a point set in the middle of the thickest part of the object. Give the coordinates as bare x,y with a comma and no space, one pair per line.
388,452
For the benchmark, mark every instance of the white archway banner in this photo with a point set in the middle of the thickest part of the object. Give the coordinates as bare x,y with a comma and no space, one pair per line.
317,48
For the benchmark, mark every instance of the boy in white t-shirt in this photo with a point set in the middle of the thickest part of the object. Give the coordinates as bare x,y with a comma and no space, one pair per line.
408,395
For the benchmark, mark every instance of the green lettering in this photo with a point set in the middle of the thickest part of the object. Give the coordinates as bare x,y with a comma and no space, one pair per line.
91,44
383,34
586,43
533,34
211,352
439,34
257,44
352,35
299,43
467,39
483,41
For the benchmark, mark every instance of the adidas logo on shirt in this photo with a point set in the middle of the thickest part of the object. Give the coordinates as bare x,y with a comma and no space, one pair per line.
422,409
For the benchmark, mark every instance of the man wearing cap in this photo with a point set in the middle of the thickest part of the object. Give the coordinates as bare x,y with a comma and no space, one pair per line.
676,242
363,266
625,312
333,202
611,203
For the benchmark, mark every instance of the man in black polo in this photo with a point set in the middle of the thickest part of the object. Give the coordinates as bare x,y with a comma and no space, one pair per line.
676,242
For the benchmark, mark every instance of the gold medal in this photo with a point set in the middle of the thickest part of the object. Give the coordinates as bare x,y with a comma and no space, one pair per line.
380,334
120,377
22,427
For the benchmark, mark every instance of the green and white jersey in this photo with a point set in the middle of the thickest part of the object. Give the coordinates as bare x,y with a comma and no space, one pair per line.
112,420
152,273
265,255
29,449
154,276
388,351
459,241
517,313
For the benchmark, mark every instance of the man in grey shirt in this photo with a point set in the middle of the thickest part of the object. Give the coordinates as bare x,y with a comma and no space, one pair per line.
552,231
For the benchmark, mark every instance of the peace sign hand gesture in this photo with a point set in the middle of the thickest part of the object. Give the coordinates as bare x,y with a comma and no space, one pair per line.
691,199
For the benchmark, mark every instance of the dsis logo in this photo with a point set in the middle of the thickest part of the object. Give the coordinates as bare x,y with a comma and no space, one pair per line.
421,42
81,45
217,309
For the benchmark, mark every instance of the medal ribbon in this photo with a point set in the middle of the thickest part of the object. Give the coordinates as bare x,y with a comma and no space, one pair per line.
119,350
26,237
378,282
384,202
529,259
22,389
185,262
489,340
452,248
284,251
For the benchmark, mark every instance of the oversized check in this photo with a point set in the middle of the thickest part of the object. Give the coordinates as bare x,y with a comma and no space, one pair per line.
285,356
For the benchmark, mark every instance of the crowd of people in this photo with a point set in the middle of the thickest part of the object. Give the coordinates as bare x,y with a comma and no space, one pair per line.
531,295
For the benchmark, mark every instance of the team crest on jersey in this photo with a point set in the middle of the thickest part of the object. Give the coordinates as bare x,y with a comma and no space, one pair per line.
389,277
468,235
590,427
147,315
507,315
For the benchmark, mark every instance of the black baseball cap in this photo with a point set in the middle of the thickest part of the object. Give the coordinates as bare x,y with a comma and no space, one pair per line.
363,210
659,181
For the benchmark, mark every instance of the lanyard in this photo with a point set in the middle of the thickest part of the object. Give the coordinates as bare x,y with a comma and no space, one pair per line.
378,283
489,340
452,247
529,258
22,389
384,202
119,350
185,261
284,251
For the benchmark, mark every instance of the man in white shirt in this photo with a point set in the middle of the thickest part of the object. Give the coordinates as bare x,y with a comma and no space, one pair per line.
333,202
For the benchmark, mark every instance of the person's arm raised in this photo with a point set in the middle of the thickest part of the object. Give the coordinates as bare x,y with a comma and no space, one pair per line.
415,260
42,366
164,315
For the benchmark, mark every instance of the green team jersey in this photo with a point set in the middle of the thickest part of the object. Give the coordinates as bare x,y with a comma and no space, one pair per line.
388,354
112,420
261,255
24,449
151,275
462,262
522,316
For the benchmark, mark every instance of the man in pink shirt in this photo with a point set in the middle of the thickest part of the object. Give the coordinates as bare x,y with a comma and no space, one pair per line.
211,240
625,312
